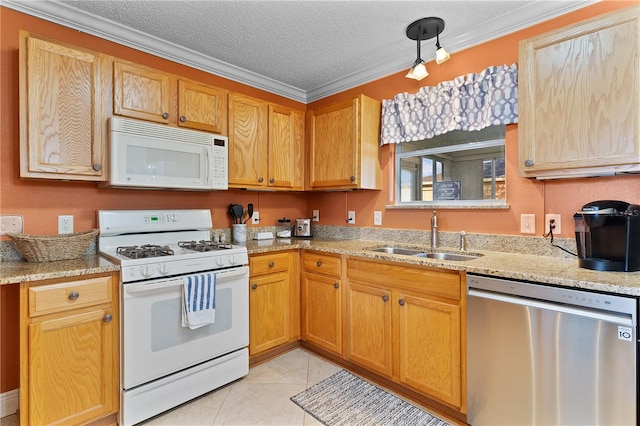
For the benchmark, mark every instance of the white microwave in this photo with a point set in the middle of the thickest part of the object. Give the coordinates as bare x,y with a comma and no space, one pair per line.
156,156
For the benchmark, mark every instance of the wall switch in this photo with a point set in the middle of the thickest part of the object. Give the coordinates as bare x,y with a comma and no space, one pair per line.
255,219
11,224
351,217
316,215
65,224
528,223
557,229
377,218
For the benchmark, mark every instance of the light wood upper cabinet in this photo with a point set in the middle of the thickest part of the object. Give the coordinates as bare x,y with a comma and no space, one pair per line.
69,350
265,145
343,140
406,323
579,103
274,300
61,111
148,94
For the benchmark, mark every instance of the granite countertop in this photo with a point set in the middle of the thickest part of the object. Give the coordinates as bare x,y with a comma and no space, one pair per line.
543,269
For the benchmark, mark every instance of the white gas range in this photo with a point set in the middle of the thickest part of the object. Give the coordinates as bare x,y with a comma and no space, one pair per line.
162,362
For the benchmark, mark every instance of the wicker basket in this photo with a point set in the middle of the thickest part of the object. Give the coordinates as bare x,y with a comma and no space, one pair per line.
48,248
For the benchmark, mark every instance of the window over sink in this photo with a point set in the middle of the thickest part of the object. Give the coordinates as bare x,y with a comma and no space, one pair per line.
465,168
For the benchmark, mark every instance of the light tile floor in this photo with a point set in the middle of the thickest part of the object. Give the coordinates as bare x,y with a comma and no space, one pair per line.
260,398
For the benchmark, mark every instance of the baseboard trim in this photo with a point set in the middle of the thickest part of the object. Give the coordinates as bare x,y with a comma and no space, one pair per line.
9,402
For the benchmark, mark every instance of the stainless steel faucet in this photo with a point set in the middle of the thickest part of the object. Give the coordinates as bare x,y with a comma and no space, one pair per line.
434,230
463,240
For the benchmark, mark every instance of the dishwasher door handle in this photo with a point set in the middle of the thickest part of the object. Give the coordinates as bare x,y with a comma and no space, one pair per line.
595,314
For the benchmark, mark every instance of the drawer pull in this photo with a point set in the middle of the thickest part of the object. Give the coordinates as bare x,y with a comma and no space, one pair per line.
272,264
385,298
318,263
335,285
165,115
254,286
74,295
401,302
107,318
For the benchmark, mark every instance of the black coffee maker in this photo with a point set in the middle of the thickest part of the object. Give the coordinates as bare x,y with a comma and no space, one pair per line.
608,236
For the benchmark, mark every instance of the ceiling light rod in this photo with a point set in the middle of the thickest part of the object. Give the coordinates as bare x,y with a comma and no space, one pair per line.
424,29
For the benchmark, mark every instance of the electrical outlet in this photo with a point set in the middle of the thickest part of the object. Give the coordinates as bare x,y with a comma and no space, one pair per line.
377,218
528,223
351,217
557,229
65,224
316,215
11,224
255,219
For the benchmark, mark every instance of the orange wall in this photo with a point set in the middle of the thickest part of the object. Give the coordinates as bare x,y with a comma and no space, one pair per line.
563,197
41,201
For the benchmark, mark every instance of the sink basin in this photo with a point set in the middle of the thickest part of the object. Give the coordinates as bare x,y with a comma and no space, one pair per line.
452,256
399,250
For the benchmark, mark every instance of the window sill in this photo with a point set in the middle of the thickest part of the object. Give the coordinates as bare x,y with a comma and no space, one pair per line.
450,205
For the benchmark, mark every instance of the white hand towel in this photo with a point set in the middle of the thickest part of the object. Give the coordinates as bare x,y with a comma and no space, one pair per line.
198,300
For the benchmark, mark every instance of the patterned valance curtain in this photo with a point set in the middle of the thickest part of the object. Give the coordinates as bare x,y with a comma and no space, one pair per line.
469,102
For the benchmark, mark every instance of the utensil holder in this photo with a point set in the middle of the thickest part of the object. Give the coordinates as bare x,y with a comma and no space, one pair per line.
239,232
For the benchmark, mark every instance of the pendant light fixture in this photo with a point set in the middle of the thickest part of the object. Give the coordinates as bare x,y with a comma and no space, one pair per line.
424,29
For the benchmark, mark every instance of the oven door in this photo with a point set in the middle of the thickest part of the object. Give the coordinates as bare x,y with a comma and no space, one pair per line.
154,342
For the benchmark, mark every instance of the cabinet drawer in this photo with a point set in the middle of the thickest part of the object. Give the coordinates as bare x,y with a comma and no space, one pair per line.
276,262
322,264
46,299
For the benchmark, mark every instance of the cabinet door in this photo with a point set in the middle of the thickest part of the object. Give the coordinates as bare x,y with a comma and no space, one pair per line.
578,91
322,315
369,322
141,92
71,368
333,145
269,312
61,135
202,107
429,346
247,142
285,148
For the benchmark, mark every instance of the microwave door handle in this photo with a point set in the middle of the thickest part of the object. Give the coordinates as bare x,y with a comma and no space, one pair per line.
208,167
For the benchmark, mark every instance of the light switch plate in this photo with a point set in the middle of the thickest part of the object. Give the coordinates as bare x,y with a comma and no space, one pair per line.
377,218
528,223
13,224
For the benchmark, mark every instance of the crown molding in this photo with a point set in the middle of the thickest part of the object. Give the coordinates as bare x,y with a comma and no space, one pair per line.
529,14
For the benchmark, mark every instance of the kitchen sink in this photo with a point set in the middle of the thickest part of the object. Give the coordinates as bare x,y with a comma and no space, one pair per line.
422,253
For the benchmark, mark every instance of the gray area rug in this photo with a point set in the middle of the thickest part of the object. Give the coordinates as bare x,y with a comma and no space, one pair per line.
344,400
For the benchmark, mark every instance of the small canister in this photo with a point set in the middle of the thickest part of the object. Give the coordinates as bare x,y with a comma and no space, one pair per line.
283,229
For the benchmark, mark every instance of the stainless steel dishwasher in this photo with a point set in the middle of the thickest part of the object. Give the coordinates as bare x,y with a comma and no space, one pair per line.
542,355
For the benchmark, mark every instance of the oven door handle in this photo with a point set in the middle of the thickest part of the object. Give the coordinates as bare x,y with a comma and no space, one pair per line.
221,276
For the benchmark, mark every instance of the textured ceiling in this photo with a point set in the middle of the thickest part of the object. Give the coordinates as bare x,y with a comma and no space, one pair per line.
304,50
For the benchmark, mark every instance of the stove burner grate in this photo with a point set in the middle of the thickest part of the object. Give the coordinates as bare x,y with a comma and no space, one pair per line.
146,250
203,245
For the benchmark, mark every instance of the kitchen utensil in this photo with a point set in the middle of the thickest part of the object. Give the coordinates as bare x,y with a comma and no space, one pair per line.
249,212
237,213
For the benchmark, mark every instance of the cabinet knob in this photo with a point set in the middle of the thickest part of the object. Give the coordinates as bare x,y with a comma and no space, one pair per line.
336,285
272,264
401,302
254,286
183,118
107,318
272,180
74,295
97,167
318,263
528,162
260,179
385,298
352,178
165,115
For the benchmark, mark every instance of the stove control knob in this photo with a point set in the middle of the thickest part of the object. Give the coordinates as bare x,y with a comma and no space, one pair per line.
220,260
164,269
232,260
144,270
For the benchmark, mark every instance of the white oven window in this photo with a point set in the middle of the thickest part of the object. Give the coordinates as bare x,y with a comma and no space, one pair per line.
167,331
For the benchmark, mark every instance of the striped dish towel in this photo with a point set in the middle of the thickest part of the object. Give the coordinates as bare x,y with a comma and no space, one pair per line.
198,300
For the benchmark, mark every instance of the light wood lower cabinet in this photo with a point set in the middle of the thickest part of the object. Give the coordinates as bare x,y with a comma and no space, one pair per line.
406,323
274,300
69,350
322,300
